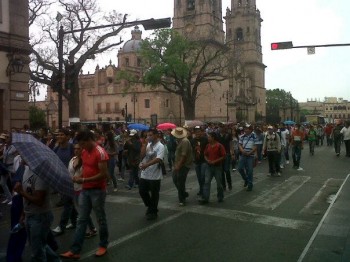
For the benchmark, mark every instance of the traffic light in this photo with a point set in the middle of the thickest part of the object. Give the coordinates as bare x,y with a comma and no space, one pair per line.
281,45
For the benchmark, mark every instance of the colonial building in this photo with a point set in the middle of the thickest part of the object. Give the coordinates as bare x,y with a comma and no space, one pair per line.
14,51
241,97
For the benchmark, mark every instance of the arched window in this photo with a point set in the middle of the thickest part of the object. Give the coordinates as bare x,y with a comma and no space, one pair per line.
239,2
239,34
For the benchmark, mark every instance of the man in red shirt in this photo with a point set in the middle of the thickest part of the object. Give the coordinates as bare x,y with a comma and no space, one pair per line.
93,194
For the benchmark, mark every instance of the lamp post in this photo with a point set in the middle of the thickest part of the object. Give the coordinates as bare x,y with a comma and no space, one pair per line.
148,24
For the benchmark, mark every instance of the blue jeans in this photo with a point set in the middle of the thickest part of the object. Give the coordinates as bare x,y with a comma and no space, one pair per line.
90,199
69,212
38,228
210,172
200,172
179,179
111,173
296,155
90,224
245,168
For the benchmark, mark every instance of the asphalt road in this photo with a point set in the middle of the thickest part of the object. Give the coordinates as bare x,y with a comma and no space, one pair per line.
274,222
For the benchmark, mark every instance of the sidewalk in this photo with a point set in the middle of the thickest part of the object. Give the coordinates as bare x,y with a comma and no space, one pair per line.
331,239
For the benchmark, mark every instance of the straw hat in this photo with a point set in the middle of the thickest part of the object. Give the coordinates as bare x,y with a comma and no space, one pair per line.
179,132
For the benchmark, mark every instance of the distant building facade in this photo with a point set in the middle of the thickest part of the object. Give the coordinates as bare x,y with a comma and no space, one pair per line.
14,51
242,97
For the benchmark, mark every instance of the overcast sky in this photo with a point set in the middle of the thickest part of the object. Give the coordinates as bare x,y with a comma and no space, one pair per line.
305,22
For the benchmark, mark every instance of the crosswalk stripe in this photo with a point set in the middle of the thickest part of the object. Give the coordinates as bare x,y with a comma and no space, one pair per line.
278,194
219,212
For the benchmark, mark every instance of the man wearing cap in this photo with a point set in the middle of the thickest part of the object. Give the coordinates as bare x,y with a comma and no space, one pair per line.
272,145
247,149
133,150
183,162
152,152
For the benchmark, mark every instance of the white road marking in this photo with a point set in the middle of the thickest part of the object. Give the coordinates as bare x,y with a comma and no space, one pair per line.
278,194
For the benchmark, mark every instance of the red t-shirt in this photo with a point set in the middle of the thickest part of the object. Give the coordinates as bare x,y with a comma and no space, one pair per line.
91,159
213,152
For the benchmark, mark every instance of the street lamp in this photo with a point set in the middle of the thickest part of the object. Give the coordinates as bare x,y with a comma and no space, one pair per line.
148,24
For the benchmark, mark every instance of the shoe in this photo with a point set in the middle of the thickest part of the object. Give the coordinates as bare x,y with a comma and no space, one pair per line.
287,162
220,200
230,187
91,233
259,162
269,174
203,201
70,254
282,166
121,179
70,226
136,186
128,187
338,154
5,201
151,216
245,183
101,251
115,189
300,169
278,174
249,188
181,204
9,203
57,230
234,169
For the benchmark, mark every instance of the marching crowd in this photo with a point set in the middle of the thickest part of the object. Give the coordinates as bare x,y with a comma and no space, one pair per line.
141,160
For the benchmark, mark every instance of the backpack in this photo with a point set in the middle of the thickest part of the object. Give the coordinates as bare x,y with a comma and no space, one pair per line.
336,132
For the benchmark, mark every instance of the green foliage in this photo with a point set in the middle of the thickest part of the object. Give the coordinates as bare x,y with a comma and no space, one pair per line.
276,100
36,118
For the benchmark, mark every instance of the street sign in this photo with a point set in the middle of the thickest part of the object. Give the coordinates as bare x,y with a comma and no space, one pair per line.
311,50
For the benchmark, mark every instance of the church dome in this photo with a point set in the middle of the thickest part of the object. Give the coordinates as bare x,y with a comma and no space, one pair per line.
134,43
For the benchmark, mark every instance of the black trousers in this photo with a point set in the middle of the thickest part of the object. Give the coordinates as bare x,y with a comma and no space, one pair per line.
149,192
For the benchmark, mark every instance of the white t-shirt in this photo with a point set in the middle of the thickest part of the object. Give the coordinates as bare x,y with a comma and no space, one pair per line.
73,172
32,182
153,172
284,135
346,132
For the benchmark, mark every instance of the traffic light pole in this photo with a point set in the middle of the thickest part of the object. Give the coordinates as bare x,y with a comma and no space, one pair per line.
148,24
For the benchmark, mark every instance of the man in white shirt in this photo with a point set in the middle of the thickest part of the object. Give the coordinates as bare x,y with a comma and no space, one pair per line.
152,153
346,137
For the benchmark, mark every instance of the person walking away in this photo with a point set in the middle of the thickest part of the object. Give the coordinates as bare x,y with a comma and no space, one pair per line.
247,149
75,168
65,151
328,132
346,136
111,148
272,145
38,216
171,146
296,142
284,145
234,149
225,139
214,155
152,153
9,155
319,135
133,149
312,136
93,194
259,143
337,138
199,144
182,164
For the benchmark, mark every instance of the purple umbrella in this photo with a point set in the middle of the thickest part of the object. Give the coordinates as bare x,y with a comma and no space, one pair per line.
44,162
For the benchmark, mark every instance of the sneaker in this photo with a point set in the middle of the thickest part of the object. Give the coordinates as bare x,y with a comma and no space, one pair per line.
151,216
115,189
91,233
287,162
278,174
70,226
9,203
57,230
181,204
259,162
70,254
128,187
101,251
282,166
245,183
300,169
121,179
234,169
5,201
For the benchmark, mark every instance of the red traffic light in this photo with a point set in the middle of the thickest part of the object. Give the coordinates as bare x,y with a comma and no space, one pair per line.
281,45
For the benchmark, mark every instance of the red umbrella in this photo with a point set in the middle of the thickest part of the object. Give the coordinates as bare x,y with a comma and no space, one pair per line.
165,126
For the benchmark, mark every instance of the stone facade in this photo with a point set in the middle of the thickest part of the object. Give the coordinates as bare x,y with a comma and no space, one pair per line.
14,51
239,98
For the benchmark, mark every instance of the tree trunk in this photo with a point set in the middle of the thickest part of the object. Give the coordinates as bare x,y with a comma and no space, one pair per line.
74,99
189,108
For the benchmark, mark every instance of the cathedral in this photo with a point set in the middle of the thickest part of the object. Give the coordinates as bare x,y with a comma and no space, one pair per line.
239,98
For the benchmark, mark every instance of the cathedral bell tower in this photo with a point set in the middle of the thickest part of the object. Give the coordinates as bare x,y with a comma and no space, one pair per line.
247,83
199,19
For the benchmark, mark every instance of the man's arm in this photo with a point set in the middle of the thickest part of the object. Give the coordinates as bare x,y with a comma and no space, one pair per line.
37,198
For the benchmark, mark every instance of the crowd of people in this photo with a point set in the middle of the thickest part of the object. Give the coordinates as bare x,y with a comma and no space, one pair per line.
95,159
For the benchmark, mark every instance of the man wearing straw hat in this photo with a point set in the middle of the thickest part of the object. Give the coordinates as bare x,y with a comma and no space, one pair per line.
183,162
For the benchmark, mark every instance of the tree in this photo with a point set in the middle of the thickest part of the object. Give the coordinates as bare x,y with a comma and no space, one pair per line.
79,46
279,101
36,118
180,66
